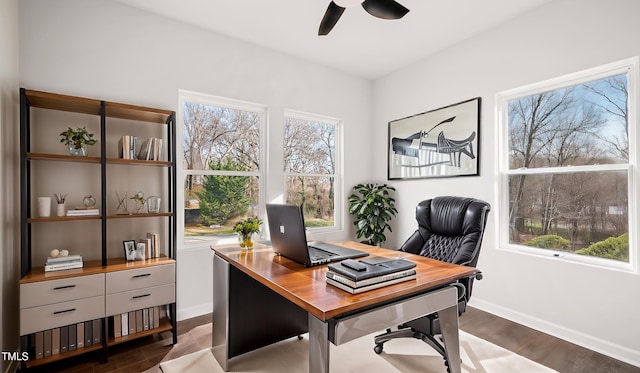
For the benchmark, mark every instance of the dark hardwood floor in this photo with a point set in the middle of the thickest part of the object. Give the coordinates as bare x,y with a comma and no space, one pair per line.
195,334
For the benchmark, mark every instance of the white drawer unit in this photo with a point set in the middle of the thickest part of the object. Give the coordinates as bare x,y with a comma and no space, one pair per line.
140,278
55,291
55,315
140,298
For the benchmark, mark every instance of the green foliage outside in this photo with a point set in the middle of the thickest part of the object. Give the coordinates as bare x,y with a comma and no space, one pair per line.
550,241
616,248
223,197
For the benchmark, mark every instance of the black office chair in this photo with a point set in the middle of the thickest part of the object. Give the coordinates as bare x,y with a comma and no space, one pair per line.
450,229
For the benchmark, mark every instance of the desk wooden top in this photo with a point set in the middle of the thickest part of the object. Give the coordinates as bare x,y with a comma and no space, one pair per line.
307,287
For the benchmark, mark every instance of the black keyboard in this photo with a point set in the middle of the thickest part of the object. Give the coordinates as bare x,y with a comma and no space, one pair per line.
319,254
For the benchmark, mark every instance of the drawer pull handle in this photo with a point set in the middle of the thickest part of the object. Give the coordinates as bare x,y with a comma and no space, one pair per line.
141,296
64,287
143,275
65,311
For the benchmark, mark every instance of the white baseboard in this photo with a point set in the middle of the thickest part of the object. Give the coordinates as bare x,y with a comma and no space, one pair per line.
187,313
604,347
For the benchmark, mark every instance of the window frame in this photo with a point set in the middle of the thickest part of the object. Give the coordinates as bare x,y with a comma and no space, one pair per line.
338,203
182,172
631,68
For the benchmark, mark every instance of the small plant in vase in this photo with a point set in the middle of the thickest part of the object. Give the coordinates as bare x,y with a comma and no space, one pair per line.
245,229
77,140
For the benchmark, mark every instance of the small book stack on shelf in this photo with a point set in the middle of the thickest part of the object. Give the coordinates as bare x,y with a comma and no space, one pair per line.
150,149
128,147
63,262
83,212
152,245
135,321
369,273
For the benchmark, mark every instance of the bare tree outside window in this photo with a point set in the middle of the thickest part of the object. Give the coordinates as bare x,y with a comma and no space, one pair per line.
310,168
568,168
221,157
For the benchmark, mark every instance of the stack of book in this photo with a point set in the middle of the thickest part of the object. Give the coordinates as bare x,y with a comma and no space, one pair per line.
370,273
63,262
134,321
128,147
150,149
66,338
83,212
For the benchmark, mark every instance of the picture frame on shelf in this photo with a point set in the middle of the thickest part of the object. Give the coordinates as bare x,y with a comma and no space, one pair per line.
439,143
129,250
141,248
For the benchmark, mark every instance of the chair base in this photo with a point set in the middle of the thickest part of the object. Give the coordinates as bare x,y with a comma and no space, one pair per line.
408,332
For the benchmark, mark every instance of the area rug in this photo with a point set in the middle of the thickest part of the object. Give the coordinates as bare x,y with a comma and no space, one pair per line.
401,355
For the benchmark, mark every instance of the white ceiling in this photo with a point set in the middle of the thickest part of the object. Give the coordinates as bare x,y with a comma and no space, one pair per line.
360,43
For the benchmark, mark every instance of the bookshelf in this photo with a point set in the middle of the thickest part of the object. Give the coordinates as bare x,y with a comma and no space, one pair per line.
107,286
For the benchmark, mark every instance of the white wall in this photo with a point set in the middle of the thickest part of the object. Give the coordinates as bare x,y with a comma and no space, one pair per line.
105,50
9,191
594,307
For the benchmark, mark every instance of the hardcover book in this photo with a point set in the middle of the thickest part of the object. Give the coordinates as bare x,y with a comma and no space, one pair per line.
370,281
368,287
64,339
97,331
80,339
88,333
373,267
124,321
55,341
47,343
73,334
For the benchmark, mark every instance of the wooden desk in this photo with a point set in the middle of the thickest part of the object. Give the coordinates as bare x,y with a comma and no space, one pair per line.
261,298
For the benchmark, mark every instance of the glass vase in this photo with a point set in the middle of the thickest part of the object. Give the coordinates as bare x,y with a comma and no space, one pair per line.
246,241
81,151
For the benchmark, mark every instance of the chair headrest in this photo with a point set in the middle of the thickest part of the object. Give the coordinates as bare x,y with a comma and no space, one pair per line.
452,216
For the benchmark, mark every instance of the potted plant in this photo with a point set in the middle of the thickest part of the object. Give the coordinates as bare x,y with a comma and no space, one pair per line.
245,229
373,207
77,140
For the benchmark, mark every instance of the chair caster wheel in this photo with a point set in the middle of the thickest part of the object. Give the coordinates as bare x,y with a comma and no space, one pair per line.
300,337
378,348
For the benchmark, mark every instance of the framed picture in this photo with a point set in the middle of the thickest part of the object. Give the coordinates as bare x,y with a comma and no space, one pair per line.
129,249
140,250
438,143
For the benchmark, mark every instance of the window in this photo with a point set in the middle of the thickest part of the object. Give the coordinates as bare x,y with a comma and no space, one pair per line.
566,166
222,166
311,162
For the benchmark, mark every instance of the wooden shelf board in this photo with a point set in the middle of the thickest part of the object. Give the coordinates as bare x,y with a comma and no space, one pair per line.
56,101
133,112
62,157
129,216
139,162
120,264
66,355
63,218
165,326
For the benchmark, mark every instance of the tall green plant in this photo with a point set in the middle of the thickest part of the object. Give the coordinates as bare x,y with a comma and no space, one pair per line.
373,207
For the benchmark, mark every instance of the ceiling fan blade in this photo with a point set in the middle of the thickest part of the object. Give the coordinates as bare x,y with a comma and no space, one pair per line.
331,17
385,9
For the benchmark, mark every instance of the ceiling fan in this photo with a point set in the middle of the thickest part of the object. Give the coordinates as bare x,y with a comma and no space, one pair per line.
385,9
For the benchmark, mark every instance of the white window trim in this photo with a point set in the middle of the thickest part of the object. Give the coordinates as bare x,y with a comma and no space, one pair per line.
338,177
631,66
181,172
